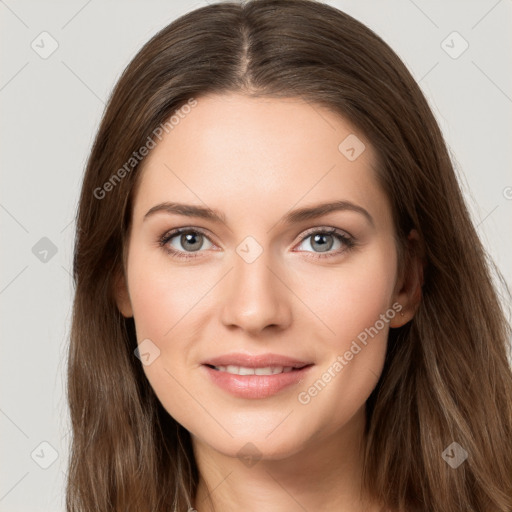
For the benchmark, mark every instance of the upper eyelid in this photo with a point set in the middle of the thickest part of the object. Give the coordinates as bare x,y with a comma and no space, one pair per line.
330,229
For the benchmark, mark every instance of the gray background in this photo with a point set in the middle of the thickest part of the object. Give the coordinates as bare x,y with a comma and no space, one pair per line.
50,110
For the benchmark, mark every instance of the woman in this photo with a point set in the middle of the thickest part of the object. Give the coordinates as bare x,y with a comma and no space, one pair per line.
281,302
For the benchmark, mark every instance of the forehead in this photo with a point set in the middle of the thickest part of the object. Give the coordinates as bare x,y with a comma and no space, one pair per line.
259,155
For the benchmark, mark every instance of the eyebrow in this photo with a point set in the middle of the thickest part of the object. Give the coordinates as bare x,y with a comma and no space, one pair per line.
295,216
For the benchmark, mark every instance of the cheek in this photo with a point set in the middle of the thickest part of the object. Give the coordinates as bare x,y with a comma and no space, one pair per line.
360,300
164,306
162,297
357,306
351,297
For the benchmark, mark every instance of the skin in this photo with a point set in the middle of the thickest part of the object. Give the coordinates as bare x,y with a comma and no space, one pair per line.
255,160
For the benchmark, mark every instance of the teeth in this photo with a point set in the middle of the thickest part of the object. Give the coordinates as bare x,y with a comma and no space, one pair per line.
243,370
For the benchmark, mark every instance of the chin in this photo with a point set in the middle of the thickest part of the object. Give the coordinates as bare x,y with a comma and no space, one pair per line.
252,446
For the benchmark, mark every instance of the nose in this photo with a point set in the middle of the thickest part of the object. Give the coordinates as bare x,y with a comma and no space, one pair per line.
256,297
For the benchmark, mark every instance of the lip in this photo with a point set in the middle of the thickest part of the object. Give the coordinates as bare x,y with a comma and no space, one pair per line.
256,361
255,386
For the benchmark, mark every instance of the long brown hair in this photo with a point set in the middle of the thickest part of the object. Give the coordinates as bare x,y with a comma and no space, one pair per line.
447,377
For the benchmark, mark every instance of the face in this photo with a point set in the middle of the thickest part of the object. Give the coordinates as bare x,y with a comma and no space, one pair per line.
266,278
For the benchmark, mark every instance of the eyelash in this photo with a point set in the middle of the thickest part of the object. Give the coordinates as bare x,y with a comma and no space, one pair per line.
348,241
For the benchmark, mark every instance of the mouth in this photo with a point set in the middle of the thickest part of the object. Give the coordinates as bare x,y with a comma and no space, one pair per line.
264,370
259,380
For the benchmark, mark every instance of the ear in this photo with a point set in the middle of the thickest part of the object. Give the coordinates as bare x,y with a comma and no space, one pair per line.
121,295
408,287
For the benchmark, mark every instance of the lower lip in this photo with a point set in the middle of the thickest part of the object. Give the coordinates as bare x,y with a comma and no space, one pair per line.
255,386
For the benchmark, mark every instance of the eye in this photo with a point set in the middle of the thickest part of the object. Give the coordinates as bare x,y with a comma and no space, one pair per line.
184,242
322,240
190,240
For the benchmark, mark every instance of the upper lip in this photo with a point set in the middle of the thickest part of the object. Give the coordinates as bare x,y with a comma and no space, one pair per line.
256,361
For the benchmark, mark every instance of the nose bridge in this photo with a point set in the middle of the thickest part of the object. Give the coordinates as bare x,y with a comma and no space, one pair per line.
254,297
